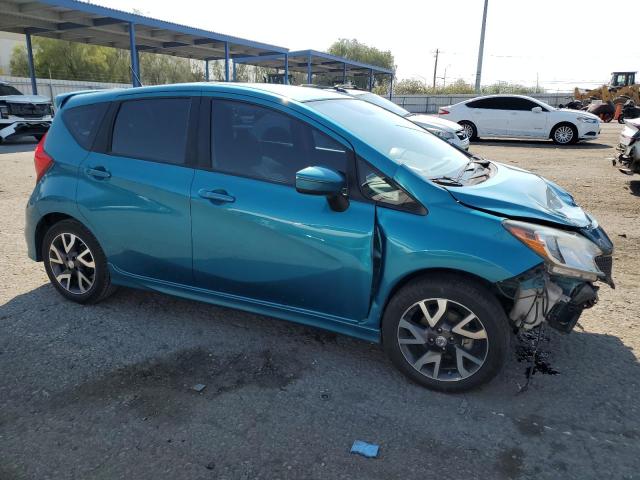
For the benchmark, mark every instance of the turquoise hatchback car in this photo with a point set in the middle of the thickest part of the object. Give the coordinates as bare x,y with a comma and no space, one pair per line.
313,207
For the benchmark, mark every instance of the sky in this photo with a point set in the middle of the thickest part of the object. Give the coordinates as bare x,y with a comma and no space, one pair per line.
559,43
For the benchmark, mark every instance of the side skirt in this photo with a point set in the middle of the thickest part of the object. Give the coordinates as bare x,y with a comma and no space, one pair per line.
291,314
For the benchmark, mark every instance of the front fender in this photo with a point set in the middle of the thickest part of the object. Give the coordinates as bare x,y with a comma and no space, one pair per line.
451,237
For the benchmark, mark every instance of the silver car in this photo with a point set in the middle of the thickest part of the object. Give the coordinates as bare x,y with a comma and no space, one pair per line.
445,129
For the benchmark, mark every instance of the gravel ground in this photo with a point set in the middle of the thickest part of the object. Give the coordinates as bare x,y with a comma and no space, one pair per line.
104,392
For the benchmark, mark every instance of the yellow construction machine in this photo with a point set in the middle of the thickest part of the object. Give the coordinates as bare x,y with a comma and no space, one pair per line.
622,87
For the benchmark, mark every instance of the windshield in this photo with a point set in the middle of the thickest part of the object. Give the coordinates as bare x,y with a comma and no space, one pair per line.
384,103
395,137
9,90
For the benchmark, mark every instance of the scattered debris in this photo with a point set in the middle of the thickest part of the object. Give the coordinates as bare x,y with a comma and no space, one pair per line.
365,449
623,235
199,387
210,466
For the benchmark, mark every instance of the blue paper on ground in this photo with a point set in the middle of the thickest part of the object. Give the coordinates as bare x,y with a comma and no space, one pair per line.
365,449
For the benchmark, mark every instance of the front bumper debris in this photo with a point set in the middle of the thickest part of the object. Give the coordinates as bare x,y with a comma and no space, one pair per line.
22,129
537,296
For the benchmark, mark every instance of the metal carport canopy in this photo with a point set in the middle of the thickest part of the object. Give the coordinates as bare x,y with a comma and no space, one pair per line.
314,62
87,23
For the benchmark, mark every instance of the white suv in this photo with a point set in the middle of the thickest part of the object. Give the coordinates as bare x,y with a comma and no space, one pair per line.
518,116
23,115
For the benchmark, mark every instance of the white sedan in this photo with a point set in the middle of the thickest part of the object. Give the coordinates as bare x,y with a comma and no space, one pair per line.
517,116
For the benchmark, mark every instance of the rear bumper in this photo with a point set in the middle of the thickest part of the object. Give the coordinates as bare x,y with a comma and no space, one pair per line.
32,217
23,129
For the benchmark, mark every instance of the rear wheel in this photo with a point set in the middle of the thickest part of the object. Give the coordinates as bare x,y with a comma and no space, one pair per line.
469,129
564,134
75,263
448,334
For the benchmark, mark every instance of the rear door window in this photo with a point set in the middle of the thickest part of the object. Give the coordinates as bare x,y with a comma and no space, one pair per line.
83,122
488,103
152,129
258,142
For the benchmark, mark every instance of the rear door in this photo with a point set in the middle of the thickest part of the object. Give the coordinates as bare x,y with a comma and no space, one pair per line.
490,116
523,121
255,237
134,188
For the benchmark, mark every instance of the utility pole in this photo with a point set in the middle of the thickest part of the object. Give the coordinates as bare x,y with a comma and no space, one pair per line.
435,69
481,49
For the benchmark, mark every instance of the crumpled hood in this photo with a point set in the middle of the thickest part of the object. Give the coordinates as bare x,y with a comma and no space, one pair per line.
25,99
517,193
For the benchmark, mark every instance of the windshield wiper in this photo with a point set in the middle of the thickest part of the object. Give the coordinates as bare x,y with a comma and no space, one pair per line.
445,180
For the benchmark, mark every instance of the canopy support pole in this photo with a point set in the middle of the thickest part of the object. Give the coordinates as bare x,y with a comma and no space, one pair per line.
226,61
32,69
135,64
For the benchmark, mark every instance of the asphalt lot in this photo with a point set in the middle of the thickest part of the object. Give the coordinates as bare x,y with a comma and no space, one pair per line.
104,392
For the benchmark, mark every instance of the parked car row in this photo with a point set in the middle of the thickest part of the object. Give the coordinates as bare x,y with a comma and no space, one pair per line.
314,206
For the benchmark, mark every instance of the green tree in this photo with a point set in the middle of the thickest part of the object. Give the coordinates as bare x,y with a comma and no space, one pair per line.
78,61
360,52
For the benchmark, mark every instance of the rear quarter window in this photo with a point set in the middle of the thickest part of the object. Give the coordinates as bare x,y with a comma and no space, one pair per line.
83,122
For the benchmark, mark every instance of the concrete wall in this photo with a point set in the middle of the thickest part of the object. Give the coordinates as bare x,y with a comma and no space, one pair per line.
51,88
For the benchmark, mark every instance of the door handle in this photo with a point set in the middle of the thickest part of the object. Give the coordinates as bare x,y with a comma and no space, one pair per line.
98,172
216,196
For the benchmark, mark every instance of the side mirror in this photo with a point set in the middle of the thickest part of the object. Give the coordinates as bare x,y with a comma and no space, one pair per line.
326,182
536,109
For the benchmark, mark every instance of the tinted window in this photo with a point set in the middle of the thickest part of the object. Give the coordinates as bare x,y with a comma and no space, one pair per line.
491,103
83,122
377,187
9,90
522,104
154,129
258,142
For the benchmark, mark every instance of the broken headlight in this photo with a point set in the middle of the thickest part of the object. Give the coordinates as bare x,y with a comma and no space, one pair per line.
567,254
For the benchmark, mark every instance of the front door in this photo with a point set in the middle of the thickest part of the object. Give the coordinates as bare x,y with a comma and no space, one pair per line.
135,194
524,122
256,237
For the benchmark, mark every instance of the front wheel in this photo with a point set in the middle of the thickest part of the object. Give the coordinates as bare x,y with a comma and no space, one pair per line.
75,263
564,134
446,333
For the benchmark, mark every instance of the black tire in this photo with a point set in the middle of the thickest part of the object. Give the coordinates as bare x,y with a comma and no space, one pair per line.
459,291
38,137
555,133
100,287
469,127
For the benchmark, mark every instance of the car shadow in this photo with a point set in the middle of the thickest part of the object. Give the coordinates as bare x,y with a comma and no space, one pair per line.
18,145
138,355
634,187
539,144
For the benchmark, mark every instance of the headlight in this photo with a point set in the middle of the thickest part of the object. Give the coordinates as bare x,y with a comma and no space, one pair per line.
565,253
588,120
441,133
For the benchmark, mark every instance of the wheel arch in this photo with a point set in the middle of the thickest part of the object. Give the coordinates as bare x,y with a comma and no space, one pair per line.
44,224
563,122
431,272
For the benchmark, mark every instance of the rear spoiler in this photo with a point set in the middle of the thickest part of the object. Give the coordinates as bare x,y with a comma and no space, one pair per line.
63,98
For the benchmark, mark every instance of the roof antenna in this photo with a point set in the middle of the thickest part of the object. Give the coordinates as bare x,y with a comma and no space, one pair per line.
135,75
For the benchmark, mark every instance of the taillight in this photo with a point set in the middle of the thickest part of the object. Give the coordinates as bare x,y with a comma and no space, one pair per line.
443,111
41,159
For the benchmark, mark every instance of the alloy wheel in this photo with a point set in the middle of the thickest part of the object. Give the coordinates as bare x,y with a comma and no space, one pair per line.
442,339
468,130
563,134
72,263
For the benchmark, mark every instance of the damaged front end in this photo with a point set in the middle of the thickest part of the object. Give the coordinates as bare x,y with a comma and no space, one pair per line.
560,288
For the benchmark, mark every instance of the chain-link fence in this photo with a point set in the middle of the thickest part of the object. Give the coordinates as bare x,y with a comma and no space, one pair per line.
431,103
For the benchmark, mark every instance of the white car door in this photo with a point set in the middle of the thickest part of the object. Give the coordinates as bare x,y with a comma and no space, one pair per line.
489,116
527,118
